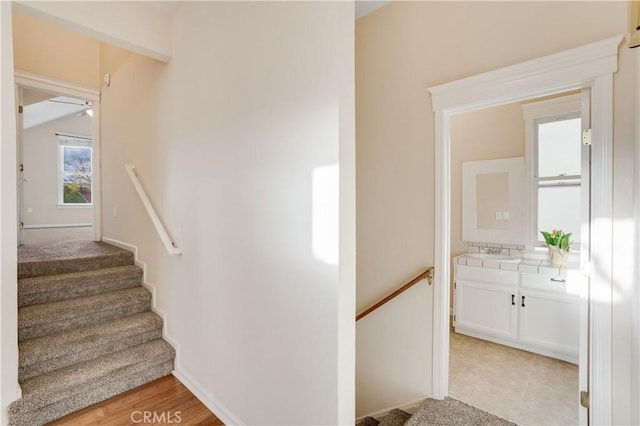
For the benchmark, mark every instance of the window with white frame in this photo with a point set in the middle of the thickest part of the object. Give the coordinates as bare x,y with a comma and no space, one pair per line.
554,164
75,171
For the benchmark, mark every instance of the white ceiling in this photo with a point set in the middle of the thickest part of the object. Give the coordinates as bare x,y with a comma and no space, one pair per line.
362,7
52,109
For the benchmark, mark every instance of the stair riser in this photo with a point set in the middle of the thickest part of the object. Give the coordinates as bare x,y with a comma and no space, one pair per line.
72,290
90,394
45,328
54,267
101,348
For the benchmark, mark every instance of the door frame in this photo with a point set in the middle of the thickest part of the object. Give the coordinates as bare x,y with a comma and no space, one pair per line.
26,80
591,66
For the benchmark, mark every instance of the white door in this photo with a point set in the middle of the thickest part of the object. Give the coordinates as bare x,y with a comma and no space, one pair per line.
486,309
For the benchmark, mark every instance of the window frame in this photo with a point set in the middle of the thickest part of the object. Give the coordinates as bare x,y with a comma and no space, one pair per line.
537,113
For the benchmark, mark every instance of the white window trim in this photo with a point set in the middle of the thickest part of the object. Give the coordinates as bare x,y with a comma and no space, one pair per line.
534,113
61,173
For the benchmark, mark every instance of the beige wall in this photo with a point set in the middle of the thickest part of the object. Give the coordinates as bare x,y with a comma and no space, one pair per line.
41,158
406,47
481,135
46,49
488,134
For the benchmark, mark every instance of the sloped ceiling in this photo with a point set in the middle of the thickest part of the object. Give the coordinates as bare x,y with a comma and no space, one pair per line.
40,108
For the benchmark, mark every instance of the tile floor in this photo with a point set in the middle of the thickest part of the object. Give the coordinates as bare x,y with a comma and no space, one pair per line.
523,387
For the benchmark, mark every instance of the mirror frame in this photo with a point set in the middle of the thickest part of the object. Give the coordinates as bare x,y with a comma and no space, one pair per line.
515,233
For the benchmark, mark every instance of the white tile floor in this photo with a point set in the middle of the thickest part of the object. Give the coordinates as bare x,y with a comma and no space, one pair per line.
523,387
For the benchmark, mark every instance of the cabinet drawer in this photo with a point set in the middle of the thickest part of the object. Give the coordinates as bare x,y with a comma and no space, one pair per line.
488,276
554,283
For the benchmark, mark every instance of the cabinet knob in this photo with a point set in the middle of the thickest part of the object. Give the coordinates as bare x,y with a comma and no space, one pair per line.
555,280
523,301
513,299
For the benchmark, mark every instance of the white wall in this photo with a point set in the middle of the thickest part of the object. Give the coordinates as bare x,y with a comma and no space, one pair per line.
9,389
405,47
227,139
41,159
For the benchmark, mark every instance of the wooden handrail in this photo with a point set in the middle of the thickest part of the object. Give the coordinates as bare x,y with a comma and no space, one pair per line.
428,274
157,223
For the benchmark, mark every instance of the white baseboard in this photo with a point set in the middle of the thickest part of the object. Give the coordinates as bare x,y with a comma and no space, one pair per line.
59,225
217,408
386,411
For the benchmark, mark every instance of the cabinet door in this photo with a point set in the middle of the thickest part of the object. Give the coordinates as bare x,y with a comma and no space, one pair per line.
486,309
551,322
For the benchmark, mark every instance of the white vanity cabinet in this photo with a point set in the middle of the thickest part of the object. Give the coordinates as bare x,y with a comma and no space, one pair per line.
534,312
549,316
485,301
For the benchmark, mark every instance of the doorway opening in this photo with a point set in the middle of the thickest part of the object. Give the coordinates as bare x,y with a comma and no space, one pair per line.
589,67
514,345
57,161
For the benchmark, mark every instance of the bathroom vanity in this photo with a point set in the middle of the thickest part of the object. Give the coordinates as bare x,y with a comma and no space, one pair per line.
519,302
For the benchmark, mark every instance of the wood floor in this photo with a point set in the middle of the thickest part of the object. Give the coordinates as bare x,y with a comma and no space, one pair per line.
165,401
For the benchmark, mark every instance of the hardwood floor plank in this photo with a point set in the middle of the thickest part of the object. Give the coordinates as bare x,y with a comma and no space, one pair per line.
165,401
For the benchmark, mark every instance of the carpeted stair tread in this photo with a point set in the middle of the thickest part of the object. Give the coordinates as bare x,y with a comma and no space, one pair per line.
396,417
451,412
55,317
369,421
45,354
51,288
70,256
52,395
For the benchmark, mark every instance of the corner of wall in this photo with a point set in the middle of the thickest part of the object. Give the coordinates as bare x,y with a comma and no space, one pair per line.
215,406
9,388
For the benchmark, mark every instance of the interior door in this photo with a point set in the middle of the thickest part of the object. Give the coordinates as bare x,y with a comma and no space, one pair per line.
585,254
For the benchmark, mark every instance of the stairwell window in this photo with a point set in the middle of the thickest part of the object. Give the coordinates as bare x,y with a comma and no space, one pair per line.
75,170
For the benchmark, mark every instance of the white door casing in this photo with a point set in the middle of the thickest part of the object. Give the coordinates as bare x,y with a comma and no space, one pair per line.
47,84
591,66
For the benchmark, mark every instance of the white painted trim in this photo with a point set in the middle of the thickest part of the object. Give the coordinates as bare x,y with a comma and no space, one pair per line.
532,112
588,66
386,411
635,339
58,225
168,244
212,403
601,297
96,169
48,84
215,406
557,73
51,85
442,271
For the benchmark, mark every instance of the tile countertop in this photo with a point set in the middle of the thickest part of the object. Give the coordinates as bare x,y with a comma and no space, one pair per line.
530,265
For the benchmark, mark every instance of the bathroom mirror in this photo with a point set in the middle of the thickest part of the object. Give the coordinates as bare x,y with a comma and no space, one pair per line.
493,201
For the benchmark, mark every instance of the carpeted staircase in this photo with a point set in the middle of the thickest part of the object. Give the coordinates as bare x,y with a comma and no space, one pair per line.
433,412
85,329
